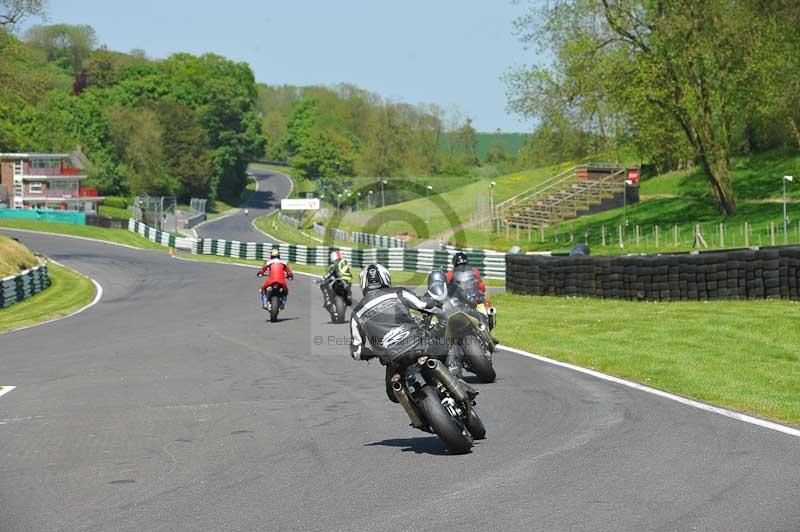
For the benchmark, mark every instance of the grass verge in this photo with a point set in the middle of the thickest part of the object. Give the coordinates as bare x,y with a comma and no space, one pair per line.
738,354
14,257
118,236
68,292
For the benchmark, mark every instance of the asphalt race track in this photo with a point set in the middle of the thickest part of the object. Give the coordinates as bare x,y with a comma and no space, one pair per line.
172,405
272,186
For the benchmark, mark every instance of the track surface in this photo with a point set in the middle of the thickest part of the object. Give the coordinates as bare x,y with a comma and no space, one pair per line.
272,186
171,405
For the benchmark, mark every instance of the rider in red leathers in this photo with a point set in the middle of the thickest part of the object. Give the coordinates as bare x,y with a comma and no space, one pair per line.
276,271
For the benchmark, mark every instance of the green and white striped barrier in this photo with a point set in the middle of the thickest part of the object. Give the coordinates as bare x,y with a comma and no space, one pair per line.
491,263
378,240
16,288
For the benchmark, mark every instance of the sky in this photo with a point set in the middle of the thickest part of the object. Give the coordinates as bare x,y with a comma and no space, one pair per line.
449,52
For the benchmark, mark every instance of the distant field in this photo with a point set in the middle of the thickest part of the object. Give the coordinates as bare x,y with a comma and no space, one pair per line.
510,143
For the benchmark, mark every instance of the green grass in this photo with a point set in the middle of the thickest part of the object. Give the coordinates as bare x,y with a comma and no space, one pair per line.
113,212
119,236
68,292
408,218
14,257
738,354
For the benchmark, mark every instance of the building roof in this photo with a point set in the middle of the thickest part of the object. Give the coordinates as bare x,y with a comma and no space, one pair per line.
76,158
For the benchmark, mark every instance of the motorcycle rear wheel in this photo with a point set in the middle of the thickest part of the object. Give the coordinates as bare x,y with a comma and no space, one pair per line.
451,430
478,361
340,307
274,308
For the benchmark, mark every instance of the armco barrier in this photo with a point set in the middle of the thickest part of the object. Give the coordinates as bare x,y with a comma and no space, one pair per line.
16,288
45,215
378,240
771,273
491,264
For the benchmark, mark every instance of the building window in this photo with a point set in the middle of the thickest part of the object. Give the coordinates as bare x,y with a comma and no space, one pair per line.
45,163
36,187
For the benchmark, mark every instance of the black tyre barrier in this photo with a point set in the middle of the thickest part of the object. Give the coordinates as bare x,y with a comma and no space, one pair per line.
767,273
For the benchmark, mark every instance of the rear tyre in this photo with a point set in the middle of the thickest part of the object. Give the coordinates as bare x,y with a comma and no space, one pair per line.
274,304
475,425
451,431
339,305
478,361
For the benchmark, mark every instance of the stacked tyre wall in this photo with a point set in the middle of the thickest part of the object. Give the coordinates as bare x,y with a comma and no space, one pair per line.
16,288
771,273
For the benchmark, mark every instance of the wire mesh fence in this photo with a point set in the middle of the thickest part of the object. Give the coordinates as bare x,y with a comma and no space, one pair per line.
156,211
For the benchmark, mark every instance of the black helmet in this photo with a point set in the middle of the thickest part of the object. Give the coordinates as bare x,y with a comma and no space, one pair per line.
459,258
437,285
375,276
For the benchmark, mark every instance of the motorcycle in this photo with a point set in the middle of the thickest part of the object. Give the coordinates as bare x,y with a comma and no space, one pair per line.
273,298
338,301
464,328
436,401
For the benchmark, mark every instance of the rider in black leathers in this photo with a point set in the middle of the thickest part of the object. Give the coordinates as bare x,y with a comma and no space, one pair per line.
382,326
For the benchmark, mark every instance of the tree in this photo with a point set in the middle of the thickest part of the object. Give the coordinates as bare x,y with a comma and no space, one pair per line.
465,142
138,139
300,125
326,157
64,44
387,143
685,64
185,149
14,11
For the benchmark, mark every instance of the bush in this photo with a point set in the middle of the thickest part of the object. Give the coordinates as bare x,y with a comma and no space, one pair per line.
118,202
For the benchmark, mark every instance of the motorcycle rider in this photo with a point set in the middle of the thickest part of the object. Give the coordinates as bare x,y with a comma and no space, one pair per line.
466,282
339,269
276,271
381,325
438,292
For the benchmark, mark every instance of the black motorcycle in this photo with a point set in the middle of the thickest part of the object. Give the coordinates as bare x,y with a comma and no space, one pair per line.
339,299
436,401
464,328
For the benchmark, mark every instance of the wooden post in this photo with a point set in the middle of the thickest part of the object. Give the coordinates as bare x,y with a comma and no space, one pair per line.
658,234
746,235
721,235
603,234
675,235
506,232
638,236
529,232
517,232
619,231
772,233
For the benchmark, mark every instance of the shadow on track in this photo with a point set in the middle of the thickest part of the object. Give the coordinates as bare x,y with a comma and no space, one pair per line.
424,445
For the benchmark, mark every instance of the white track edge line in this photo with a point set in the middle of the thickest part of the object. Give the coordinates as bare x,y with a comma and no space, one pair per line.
5,389
81,238
666,395
98,295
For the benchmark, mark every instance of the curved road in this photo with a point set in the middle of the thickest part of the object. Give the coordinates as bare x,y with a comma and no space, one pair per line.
171,405
271,187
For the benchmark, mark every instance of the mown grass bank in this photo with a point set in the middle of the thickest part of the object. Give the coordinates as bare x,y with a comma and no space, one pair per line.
738,354
68,292
14,257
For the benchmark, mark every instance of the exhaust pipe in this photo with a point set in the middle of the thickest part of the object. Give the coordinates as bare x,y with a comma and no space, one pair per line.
492,313
408,406
453,384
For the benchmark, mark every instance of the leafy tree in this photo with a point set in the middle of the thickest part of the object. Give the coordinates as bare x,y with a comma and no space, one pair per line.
300,125
386,145
64,44
674,71
14,11
326,157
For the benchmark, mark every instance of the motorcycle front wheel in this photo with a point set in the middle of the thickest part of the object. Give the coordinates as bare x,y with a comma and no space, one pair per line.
451,430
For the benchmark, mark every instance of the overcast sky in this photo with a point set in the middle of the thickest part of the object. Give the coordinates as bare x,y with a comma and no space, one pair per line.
449,52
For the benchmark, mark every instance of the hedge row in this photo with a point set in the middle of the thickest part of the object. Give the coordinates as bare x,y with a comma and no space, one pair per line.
772,273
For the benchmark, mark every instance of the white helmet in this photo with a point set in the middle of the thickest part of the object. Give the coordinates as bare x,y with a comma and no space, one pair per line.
375,276
335,255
